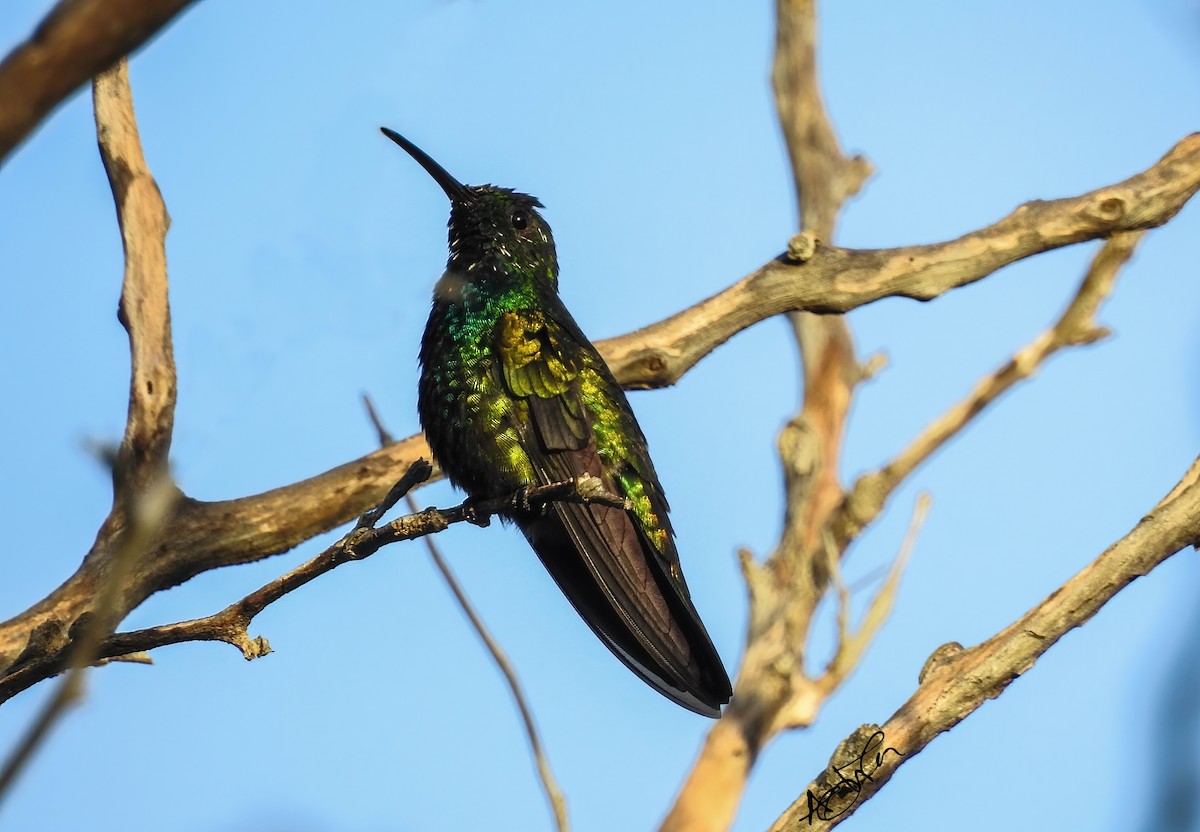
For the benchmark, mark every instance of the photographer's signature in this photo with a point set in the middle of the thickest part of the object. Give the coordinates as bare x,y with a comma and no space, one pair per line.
843,794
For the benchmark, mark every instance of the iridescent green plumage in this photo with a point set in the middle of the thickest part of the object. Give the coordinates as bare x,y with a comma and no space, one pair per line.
513,394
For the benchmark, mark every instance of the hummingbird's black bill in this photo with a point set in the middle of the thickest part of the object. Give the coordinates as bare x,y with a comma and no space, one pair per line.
454,189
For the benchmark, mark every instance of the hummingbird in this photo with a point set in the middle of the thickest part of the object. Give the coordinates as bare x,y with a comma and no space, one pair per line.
513,395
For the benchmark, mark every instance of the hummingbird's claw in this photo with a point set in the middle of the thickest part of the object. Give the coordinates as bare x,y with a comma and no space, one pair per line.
473,517
520,498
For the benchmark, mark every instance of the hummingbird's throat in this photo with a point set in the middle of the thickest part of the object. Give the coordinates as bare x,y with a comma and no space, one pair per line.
449,287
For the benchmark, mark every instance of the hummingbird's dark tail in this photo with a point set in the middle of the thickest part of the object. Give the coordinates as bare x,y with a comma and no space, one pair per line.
603,565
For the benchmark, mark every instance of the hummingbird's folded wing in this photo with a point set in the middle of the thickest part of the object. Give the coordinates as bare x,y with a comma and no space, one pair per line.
618,568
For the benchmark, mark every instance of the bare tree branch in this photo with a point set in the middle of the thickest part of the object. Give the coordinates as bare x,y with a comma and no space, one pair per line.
838,280
140,472
825,178
76,41
956,681
231,624
772,681
144,309
143,494
773,691
1075,327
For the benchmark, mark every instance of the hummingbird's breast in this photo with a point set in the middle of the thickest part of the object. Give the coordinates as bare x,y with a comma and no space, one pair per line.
475,428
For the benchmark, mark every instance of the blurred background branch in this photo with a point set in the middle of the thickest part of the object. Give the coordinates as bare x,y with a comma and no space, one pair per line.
77,40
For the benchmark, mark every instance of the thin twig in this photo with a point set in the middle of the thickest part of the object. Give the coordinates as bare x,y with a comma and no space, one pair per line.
69,691
146,518
554,794
852,646
1075,327
230,625
385,436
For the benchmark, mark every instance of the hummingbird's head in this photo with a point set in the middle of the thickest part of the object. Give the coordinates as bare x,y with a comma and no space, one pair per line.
499,230
496,234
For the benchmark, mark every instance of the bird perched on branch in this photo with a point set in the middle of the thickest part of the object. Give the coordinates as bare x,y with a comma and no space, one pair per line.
514,395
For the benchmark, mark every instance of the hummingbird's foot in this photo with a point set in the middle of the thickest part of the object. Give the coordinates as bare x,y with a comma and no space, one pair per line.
520,499
473,517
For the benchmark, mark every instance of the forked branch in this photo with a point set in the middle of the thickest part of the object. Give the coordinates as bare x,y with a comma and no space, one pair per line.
956,681
231,624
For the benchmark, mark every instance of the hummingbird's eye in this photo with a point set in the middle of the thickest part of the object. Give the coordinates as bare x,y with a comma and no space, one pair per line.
520,220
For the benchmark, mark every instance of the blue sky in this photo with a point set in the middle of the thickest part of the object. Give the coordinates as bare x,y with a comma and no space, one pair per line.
303,250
